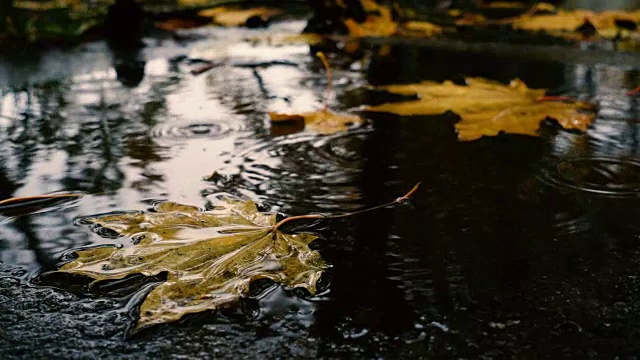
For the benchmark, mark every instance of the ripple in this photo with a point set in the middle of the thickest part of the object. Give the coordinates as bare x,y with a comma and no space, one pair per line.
195,130
567,224
604,176
314,172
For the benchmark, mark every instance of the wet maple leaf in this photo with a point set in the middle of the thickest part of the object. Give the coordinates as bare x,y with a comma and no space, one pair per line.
210,257
487,108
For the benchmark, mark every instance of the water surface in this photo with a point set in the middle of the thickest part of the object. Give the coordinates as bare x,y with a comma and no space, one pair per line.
515,246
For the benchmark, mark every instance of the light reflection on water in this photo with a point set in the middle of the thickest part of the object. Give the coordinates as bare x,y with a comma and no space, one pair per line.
481,235
160,139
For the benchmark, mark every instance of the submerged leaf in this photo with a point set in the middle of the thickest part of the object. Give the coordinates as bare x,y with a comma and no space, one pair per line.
210,257
486,107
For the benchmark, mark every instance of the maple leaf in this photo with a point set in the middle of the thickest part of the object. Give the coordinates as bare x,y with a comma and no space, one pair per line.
229,16
568,24
210,257
380,23
486,107
565,23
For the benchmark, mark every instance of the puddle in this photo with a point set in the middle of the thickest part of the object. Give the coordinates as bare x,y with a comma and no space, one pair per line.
485,261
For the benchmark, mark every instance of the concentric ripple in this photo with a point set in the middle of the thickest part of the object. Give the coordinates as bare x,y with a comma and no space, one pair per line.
604,176
215,130
298,170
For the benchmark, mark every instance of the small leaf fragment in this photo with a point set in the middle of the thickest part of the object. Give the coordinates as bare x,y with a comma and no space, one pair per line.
322,122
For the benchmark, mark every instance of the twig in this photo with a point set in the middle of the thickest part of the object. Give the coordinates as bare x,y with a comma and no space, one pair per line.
329,92
305,217
202,69
37,197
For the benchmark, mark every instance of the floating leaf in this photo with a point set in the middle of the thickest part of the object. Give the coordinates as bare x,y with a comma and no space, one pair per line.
288,39
567,23
210,257
322,122
228,16
577,24
419,28
380,23
486,107
571,20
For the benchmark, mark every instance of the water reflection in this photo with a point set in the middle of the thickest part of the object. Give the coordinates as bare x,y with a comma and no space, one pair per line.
485,253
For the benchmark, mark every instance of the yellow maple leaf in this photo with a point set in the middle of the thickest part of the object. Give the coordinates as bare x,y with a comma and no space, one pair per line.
374,26
380,23
419,28
229,16
487,108
560,22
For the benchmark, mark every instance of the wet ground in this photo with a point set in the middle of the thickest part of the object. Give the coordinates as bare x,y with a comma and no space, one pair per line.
514,247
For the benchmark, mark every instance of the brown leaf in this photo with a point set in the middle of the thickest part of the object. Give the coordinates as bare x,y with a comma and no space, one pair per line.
178,23
322,122
487,108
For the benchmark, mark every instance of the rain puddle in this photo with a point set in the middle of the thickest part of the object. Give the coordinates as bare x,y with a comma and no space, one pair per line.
514,246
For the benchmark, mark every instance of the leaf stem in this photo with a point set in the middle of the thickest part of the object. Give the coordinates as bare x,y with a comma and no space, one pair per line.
329,92
303,217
